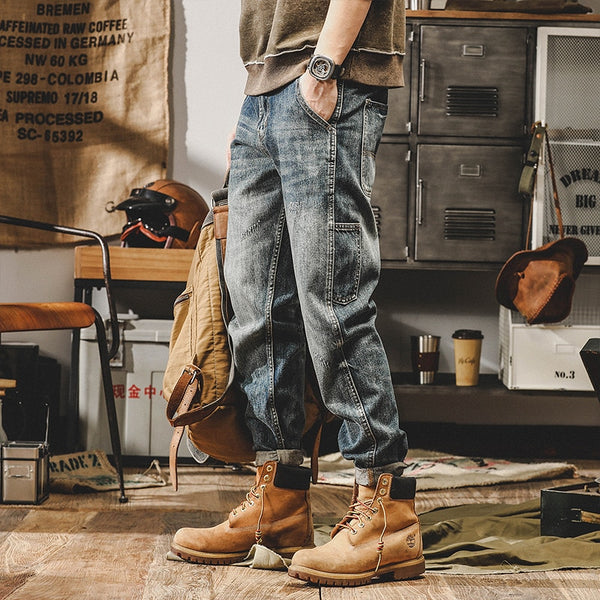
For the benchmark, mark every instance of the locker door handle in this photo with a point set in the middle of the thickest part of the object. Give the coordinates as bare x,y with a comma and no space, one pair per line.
422,69
420,202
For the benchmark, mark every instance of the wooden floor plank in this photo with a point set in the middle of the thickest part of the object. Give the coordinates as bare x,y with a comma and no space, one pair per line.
91,547
577,584
170,580
522,586
82,555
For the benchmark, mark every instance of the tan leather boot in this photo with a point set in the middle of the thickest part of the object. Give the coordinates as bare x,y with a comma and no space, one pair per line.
276,514
379,536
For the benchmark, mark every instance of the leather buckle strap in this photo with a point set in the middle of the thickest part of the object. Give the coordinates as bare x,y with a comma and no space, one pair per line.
178,413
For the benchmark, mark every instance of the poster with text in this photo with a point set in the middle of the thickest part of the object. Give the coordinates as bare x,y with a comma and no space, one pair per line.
84,111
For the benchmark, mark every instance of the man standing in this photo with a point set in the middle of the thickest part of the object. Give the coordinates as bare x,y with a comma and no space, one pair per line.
303,262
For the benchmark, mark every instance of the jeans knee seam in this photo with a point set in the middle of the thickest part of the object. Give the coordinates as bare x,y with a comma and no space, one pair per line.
269,329
364,421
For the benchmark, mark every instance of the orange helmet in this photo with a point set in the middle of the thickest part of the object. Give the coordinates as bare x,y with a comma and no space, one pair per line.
163,214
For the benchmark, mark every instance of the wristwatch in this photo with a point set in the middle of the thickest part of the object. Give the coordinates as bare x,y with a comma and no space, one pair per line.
323,68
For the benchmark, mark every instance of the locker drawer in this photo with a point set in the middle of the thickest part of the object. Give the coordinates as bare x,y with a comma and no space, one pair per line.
472,81
467,203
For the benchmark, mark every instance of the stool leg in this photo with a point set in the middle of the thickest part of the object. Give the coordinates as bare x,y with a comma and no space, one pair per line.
109,396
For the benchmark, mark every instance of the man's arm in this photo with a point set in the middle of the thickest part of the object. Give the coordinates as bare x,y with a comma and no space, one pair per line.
340,30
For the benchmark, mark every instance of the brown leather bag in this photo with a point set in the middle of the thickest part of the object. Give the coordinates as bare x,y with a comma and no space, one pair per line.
540,283
199,383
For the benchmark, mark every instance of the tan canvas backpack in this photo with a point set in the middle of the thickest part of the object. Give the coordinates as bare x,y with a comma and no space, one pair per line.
199,382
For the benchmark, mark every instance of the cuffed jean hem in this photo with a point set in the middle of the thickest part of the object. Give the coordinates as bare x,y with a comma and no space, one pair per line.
369,477
286,457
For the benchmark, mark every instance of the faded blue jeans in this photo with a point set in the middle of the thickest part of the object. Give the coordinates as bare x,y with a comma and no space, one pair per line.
302,264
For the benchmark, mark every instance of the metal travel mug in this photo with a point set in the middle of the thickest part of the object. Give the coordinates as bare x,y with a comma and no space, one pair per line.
425,355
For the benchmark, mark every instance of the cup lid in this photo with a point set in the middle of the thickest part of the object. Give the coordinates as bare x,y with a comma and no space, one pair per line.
467,334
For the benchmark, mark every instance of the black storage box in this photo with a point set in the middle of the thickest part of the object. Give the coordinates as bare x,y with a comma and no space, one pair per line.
571,510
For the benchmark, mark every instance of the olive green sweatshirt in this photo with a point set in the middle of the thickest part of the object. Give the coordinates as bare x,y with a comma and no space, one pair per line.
277,38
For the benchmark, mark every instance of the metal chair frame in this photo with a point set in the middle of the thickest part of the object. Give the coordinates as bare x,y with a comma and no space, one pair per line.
106,351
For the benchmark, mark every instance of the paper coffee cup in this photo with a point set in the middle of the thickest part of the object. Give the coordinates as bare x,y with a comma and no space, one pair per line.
467,353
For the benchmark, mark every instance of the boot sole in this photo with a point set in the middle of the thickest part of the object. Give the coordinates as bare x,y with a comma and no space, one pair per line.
210,558
406,570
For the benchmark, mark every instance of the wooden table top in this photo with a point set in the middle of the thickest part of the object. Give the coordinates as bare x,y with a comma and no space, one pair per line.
134,264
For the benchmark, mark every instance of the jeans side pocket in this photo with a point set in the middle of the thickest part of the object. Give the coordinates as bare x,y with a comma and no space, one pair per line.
346,262
306,107
374,114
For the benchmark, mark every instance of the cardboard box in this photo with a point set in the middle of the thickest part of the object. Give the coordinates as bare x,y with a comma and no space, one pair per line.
546,357
543,357
137,374
571,510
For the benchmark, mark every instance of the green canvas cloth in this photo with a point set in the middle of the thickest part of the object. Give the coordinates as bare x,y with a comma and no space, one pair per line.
476,539
500,538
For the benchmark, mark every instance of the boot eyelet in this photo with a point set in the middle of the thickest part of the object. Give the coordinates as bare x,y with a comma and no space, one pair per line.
243,508
384,481
361,525
375,511
269,468
382,492
353,531
251,503
266,478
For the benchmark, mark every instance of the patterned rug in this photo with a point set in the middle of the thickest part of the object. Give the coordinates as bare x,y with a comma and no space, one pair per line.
438,472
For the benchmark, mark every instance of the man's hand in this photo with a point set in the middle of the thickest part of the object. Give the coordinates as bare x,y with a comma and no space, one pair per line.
342,25
321,96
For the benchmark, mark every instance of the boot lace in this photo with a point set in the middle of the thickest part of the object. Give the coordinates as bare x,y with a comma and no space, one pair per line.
253,495
358,514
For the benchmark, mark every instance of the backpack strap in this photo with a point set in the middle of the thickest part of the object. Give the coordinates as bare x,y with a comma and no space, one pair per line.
178,412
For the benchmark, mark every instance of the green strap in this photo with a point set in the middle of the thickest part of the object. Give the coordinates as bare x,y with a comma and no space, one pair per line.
527,180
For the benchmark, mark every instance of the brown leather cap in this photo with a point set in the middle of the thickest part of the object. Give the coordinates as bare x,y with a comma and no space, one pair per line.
540,283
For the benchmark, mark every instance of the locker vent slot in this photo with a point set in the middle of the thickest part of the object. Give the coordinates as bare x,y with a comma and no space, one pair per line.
471,101
469,224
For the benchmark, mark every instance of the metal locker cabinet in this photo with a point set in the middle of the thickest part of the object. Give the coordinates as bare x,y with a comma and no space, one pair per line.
398,118
472,81
467,205
389,200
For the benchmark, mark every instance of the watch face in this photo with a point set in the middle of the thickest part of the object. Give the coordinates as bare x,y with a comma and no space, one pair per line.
321,68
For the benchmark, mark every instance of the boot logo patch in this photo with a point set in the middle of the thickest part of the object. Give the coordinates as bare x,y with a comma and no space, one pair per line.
411,541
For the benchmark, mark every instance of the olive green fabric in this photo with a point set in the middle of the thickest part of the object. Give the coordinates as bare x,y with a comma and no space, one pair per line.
500,538
479,539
